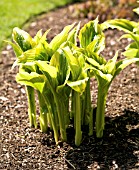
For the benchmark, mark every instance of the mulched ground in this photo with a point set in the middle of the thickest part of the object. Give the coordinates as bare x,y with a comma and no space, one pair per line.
25,148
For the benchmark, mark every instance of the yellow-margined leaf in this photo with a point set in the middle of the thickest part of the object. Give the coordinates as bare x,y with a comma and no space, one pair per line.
121,24
32,79
23,39
60,38
79,85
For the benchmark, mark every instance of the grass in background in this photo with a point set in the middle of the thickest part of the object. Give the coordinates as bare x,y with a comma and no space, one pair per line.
17,12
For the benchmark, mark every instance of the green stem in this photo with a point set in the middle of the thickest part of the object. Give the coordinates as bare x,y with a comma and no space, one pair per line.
59,107
49,121
67,116
83,107
43,113
89,109
52,118
61,116
73,107
78,132
100,115
31,105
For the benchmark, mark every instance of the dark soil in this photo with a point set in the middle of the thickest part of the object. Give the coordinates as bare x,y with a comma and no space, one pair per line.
25,148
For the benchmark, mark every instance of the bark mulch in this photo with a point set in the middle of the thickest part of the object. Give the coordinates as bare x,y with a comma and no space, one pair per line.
25,148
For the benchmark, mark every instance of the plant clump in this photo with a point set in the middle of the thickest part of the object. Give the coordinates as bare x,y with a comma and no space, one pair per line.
60,73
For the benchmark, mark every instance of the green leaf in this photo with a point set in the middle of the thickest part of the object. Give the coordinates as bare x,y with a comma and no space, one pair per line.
74,63
121,24
39,38
17,50
131,53
132,46
78,78
97,45
102,76
23,39
79,85
132,36
59,61
37,53
96,60
50,72
72,37
93,62
136,10
103,70
88,33
132,50
123,64
32,79
60,38
49,51
111,65
28,67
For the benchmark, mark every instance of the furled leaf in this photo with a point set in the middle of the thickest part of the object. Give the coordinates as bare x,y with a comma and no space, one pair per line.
23,39
89,32
39,38
50,72
73,62
59,61
97,45
78,78
60,38
72,37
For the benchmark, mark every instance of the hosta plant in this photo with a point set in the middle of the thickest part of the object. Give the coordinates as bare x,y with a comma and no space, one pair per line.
60,72
92,43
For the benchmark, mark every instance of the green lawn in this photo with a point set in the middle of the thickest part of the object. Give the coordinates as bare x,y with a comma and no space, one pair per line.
16,12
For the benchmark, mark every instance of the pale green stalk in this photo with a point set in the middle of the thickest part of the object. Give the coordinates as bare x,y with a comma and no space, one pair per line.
31,106
49,121
43,113
73,106
52,118
100,115
67,115
83,103
61,116
78,132
89,110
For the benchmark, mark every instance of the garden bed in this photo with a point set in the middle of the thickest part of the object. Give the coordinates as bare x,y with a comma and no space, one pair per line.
23,147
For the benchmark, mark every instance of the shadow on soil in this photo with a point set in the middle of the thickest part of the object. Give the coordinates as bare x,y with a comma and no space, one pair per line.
118,148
